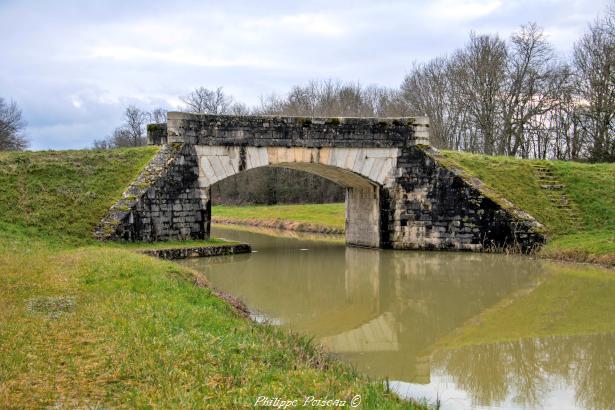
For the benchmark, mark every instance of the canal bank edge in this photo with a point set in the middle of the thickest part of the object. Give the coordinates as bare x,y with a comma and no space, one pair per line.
278,223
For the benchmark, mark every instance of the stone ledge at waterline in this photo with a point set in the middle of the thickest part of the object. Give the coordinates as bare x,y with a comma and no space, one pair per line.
398,194
198,251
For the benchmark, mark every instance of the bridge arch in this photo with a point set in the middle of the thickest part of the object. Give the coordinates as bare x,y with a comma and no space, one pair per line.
363,172
347,166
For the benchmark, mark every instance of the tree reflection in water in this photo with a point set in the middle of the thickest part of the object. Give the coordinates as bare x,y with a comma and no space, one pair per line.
529,369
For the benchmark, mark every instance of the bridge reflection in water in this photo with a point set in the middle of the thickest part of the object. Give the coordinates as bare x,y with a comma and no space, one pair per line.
397,315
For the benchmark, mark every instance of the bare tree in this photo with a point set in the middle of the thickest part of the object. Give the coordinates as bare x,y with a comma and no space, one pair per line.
594,63
385,102
494,97
479,72
269,105
569,142
239,108
135,120
329,97
12,126
104,143
158,116
533,86
429,90
205,101
132,132
120,138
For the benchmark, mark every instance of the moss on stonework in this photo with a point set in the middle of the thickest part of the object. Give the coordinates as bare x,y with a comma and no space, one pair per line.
143,185
333,121
124,208
108,229
304,121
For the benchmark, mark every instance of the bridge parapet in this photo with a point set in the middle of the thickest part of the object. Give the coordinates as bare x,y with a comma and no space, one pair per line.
308,132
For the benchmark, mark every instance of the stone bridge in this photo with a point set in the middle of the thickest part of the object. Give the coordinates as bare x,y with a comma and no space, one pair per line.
398,194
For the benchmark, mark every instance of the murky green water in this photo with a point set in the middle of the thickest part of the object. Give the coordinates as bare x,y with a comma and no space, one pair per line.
472,330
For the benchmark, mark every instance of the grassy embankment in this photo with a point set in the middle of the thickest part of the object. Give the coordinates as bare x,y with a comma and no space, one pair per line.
324,218
590,189
90,324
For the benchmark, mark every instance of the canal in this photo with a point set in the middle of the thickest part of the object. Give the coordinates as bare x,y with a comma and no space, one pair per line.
470,330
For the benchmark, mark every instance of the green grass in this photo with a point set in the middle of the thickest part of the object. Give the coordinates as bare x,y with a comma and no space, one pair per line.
140,335
64,194
590,186
90,324
86,324
287,233
592,247
327,215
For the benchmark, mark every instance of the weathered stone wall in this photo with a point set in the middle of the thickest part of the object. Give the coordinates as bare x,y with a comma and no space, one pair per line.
273,131
164,203
398,194
198,251
156,134
433,207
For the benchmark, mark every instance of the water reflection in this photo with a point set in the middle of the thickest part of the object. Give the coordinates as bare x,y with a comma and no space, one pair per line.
386,311
527,372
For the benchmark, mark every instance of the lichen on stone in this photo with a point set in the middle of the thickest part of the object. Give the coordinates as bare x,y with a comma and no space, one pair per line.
332,121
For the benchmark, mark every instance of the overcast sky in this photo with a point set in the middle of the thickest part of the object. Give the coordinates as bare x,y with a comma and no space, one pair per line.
73,67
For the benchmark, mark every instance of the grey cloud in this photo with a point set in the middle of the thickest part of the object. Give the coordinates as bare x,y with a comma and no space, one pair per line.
74,66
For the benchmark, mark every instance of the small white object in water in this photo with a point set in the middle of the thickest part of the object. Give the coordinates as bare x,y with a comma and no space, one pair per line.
254,251
264,319
304,249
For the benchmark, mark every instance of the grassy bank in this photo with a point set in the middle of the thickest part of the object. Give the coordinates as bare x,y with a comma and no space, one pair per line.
326,218
63,194
92,325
